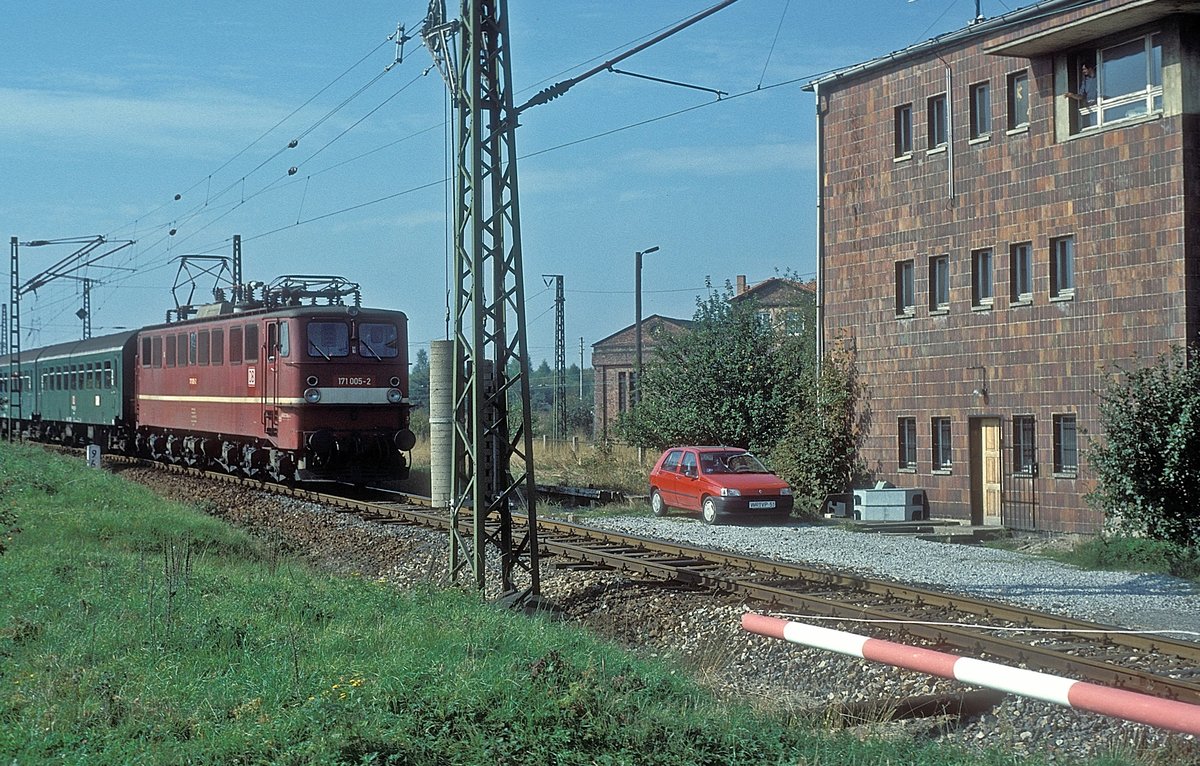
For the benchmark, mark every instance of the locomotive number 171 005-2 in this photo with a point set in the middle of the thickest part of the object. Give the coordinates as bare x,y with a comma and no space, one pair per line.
354,381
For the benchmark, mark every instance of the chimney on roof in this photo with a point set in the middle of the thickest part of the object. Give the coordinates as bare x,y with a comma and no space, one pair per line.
741,284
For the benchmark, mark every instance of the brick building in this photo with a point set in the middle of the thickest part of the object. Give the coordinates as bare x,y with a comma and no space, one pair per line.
613,366
1007,211
785,303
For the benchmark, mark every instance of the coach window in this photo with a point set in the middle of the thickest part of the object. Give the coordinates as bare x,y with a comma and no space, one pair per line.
172,343
377,340
89,376
202,348
328,339
156,352
146,351
218,347
235,345
251,354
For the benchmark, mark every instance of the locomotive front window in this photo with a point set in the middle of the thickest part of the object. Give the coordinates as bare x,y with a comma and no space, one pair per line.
328,339
378,340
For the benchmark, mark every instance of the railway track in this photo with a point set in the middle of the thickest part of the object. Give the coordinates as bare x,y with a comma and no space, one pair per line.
1101,654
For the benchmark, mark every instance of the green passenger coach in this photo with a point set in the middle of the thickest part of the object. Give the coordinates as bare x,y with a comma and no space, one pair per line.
73,393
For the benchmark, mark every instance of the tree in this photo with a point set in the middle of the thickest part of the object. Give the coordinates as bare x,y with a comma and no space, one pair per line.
1148,463
819,453
729,380
418,380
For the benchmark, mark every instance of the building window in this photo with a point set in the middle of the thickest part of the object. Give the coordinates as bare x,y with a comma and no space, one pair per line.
905,288
623,391
939,283
1066,447
1116,83
763,319
906,433
1062,267
981,277
1020,269
793,322
1024,454
937,121
940,432
904,130
981,110
1018,100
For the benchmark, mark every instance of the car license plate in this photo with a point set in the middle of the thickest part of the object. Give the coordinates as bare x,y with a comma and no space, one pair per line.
762,503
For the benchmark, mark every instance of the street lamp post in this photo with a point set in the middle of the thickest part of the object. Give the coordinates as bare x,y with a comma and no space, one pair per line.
637,326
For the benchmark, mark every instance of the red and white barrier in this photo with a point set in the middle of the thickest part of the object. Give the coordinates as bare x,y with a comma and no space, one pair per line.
1131,706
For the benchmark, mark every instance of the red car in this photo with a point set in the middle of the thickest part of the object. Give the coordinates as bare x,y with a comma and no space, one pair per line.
720,482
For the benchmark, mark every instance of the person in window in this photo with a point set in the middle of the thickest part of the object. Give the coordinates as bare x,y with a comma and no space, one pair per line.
1085,94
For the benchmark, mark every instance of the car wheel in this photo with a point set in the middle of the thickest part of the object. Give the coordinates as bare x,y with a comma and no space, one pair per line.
657,506
709,511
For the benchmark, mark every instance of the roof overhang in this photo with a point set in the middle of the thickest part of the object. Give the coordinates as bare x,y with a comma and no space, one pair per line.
1075,33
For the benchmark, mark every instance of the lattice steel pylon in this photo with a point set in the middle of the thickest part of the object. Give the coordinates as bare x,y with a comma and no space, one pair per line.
560,356
493,465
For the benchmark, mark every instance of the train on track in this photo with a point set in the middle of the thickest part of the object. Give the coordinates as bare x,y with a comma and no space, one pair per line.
276,387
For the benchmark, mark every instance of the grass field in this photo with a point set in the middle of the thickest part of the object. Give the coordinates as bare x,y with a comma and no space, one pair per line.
133,630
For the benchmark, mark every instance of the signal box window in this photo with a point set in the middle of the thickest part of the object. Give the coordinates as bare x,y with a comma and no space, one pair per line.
251,345
1024,453
378,340
937,121
1120,82
1020,269
939,283
940,431
905,289
981,278
981,110
1018,100
903,128
328,339
906,432
1062,267
1066,446
235,345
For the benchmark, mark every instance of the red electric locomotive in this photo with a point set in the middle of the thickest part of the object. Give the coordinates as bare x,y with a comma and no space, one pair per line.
283,392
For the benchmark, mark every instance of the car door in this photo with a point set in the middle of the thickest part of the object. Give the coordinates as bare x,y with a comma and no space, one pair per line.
666,478
689,482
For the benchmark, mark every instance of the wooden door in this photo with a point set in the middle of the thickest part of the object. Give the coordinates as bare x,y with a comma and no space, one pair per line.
985,471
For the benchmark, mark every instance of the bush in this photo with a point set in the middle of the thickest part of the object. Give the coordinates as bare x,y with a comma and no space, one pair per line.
1148,463
819,453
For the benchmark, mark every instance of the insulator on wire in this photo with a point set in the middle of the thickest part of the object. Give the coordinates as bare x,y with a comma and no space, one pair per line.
292,170
293,143
172,232
178,197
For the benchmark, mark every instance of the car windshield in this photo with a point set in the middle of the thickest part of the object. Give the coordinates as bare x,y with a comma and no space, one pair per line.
730,462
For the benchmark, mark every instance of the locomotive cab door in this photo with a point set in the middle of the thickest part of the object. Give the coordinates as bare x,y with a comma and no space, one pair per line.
275,348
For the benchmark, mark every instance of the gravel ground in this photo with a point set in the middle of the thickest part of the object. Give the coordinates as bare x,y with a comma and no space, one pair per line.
703,631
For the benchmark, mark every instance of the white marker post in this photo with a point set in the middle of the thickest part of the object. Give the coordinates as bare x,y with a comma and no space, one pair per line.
93,456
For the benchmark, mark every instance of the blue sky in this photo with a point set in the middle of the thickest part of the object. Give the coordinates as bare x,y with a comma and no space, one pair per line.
110,111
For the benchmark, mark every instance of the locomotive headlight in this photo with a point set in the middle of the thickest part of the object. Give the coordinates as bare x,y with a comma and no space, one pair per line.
395,381
312,380
394,396
312,395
